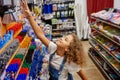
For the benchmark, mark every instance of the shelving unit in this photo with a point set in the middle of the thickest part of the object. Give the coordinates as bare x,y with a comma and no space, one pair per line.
104,44
16,48
13,55
107,22
107,36
99,66
64,29
63,20
22,62
101,45
105,59
15,52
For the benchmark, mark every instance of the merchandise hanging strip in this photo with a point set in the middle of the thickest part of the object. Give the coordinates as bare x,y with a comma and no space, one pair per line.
107,61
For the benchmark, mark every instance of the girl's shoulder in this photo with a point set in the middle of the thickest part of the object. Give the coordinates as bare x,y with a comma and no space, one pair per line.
52,47
72,67
72,64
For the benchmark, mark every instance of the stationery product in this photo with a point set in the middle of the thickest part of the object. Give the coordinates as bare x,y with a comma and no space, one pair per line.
54,7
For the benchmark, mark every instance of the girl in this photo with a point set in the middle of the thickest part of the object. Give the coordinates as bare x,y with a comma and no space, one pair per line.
66,54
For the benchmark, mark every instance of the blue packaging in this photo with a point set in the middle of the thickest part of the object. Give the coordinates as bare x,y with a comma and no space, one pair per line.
50,8
12,68
21,77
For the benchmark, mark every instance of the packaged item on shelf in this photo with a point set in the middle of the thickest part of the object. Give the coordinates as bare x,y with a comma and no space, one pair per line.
44,72
66,6
116,53
116,38
62,14
21,77
36,11
54,7
109,15
58,14
59,6
7,37
62,6
66,13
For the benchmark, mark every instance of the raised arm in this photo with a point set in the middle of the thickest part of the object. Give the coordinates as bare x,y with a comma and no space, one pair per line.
38,31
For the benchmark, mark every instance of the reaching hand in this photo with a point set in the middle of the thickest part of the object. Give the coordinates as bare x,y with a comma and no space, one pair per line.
24,8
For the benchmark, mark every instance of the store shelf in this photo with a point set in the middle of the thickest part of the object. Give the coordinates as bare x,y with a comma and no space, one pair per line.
65,2
17,33
63,23
99,66
106,60
63,10
106,36
15,52
57,35
5,46
46,18
107,22
8,43
12,57
61,20
68,17
101,45
64,29
22,63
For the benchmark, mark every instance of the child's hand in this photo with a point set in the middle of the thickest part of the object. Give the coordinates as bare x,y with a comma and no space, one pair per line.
24,8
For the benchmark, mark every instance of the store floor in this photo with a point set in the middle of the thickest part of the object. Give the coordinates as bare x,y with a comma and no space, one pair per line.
90,69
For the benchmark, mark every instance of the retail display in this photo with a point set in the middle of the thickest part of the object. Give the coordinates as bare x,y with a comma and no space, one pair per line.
25,67
39,70
105,41
61,17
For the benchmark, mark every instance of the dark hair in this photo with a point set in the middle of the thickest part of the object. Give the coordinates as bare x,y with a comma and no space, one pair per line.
2,10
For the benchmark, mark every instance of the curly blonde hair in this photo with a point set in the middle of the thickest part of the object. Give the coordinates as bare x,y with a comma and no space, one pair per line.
75,52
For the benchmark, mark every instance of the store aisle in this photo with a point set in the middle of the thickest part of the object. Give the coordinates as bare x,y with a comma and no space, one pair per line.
91,70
